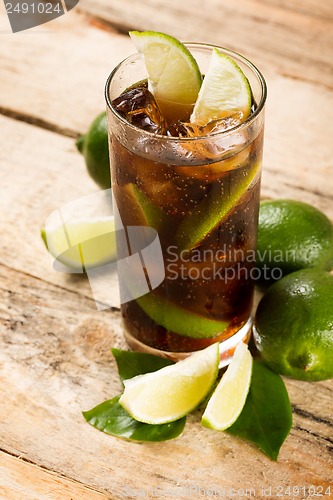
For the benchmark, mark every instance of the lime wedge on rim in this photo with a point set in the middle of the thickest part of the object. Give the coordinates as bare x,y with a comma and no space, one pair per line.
82,244
225,90
174,74
228,399
173,391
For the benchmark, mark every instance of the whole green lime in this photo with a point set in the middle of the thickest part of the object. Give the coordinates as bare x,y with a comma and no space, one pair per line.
292,235
294,325
94,147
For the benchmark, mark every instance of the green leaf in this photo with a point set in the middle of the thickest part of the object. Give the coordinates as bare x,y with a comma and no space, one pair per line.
266,418
131,363
111,418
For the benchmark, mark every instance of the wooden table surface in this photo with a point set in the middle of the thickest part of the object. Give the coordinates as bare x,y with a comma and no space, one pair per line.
55,356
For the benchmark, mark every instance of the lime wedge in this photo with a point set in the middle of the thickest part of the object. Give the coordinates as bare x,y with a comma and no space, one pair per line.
178,320
225,90
143,211
212,210
82,244
173,391
228,399
174,74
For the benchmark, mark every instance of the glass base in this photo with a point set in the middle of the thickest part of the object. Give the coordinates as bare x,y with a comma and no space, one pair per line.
227,347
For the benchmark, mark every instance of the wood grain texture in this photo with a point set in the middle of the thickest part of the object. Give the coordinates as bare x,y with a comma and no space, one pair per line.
55,358
23,480
313,8
53,368
57,79
294,40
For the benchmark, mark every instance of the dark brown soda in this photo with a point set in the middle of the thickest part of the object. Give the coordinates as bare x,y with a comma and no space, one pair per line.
213,279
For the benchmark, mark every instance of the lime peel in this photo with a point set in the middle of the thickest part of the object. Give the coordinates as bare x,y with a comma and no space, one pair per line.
82,244
207,215
173,391
176,319
228,399
143,208
225,91
174,74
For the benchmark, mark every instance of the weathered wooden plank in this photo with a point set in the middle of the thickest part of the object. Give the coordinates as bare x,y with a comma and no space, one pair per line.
54,346
294,41
58,78
19,479
55,361
297,150
314,8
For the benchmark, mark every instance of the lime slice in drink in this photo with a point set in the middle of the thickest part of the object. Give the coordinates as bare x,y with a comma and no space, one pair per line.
178,320
174,74
173,391
82,244
143,211
228,399
225,90
212,210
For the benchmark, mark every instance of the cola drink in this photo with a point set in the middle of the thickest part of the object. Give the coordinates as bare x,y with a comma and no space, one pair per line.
199,187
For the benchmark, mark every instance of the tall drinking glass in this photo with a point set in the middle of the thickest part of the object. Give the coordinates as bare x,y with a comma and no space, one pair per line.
200,191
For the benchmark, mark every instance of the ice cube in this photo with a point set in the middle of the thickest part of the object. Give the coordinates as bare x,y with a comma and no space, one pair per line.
184,129
223,124
139,107
213,152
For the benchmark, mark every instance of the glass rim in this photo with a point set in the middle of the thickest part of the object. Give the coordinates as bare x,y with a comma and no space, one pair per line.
224,133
